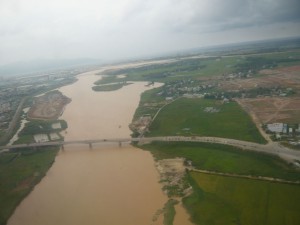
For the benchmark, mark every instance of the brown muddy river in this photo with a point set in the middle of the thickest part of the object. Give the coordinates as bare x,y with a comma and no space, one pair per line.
108,184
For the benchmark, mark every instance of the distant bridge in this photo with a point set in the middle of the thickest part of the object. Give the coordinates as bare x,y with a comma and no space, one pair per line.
271,148
63,143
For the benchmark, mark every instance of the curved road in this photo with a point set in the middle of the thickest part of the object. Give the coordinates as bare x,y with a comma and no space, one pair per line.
272,148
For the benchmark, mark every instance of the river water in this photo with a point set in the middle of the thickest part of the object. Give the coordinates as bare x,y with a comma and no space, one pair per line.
108,184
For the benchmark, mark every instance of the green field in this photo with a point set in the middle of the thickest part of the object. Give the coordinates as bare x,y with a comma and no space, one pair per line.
224,158
204,67
188,117
20,171
226,200
37,127
182,69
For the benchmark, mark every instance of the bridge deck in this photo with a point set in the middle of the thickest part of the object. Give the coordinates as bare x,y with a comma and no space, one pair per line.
273,148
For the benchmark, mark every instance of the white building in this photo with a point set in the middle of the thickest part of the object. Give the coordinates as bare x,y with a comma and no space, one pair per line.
56,126
275,127
40,138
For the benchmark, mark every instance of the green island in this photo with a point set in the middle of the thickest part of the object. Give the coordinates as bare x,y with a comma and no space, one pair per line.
109,87
110,83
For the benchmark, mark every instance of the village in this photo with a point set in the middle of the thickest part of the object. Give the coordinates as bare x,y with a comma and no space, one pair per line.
17,92
284,132
272,98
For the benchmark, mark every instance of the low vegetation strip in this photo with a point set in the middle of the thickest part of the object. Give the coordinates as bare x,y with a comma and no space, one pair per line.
225,159
227,200
247,176
205,117
109,87
20,171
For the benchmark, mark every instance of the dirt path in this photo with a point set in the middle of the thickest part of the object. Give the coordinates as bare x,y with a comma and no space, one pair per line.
246,176
279,109
256,121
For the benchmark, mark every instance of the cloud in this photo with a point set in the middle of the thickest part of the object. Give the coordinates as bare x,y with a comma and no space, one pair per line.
128,28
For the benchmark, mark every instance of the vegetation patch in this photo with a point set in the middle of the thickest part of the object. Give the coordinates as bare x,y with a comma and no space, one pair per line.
109,87
51,129
226,200
188,117
40,126
224,158
20,171
169,211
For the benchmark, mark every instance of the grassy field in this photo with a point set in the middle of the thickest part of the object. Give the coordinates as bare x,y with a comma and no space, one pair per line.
226,200
20,171
37,127
188,117
149,96
169,212
187,68
223,158
203,67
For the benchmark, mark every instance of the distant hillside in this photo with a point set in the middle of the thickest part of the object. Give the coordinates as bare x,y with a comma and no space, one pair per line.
18,68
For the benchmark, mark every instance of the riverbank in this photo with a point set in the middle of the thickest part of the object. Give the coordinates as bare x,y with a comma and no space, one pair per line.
13,125
48,106
213,168
20,172
123,179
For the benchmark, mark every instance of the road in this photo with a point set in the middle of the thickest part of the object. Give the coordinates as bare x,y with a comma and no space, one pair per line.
273,148
13,122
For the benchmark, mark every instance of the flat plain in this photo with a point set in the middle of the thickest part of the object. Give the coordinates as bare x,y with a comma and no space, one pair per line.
205,117
227,200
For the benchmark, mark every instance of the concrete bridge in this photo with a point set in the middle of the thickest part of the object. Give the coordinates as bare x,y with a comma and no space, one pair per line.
63,143
271,148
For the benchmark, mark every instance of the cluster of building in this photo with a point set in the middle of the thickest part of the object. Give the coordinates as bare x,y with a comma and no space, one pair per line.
45,137
231,76
39,138
211,110
13,89
283,128
187,88
285,131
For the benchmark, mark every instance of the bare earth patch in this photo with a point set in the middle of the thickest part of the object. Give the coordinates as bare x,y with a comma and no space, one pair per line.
172,172
49,106
288,77
273,109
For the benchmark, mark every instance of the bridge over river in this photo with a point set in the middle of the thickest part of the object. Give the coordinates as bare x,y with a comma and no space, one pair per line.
271,148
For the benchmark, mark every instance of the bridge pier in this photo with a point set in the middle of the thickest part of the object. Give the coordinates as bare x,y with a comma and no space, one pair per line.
90,145
62,147
120,144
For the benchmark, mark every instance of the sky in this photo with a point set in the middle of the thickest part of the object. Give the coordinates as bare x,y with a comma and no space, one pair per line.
120,29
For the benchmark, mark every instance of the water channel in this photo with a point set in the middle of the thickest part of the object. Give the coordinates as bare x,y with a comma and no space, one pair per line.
108,184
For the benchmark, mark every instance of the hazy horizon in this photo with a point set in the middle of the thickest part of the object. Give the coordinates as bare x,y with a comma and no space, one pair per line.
115,29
